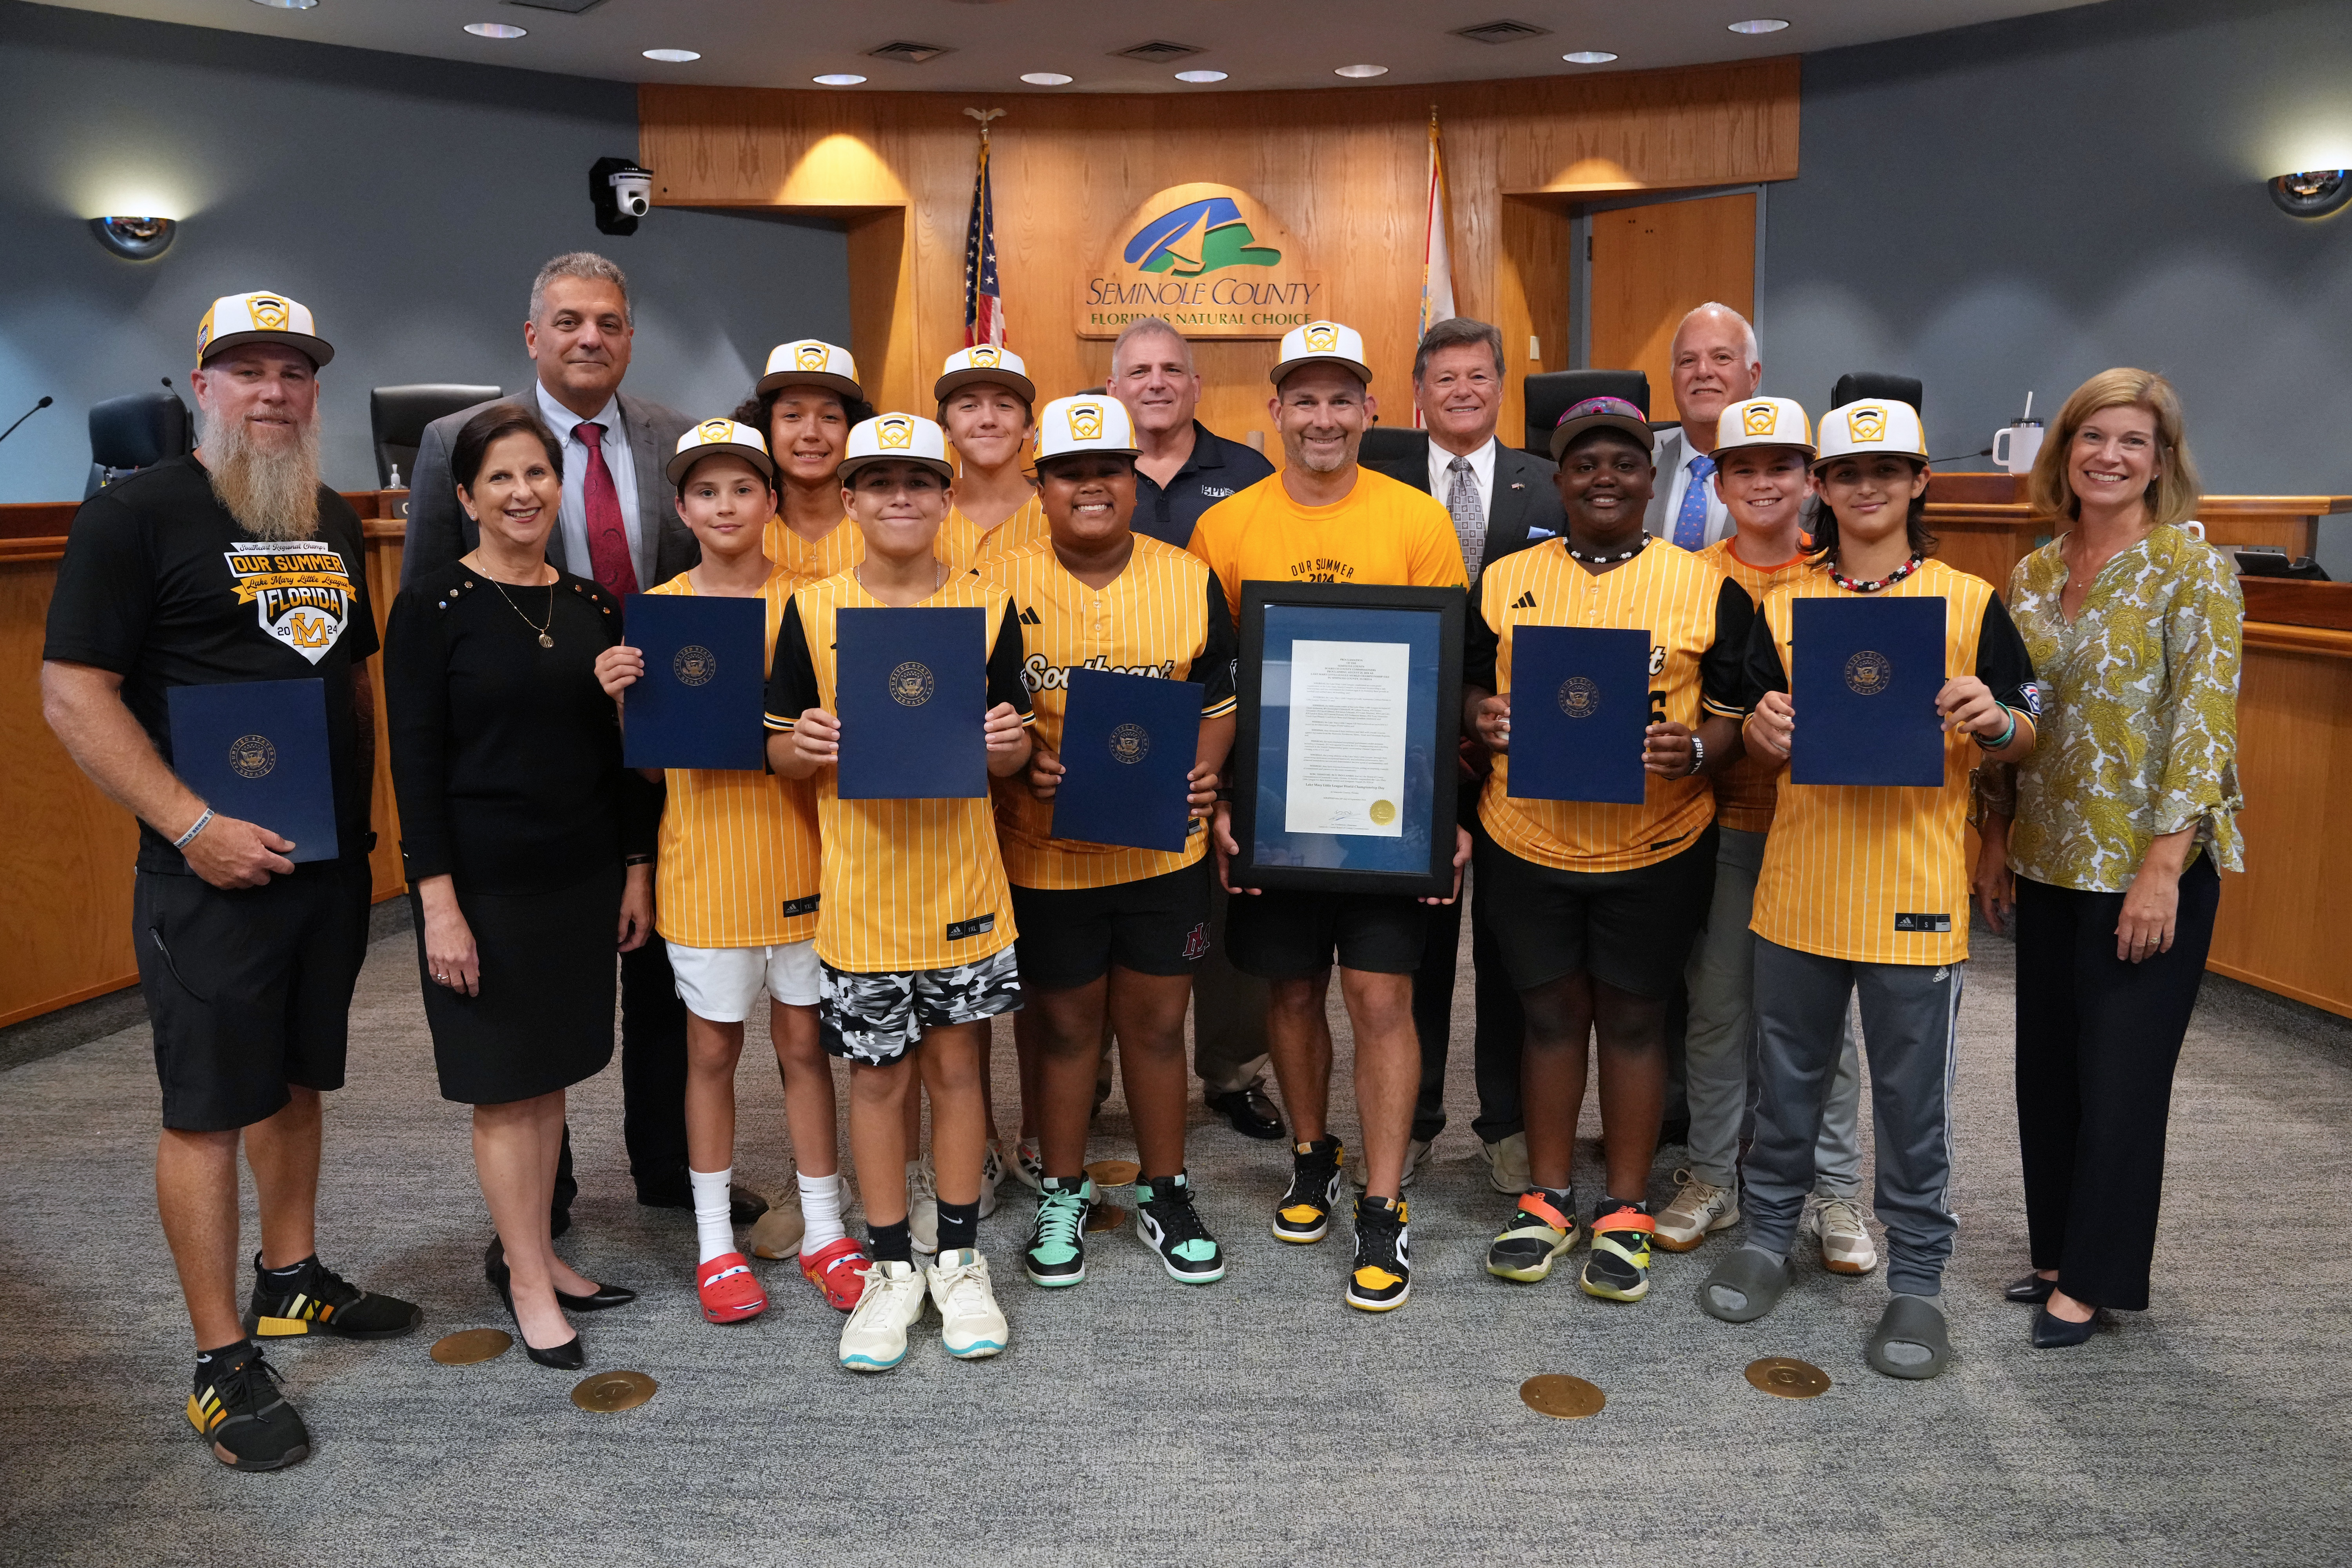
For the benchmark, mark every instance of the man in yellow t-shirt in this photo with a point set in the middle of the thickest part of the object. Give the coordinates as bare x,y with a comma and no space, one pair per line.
1324,518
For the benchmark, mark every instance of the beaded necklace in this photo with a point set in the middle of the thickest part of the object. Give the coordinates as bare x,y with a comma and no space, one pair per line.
1598,560
1852,586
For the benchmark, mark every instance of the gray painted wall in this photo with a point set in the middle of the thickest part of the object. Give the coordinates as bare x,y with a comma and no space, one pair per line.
2020,204
406,202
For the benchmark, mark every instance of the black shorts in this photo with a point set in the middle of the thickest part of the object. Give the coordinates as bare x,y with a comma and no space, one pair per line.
1631,930
249,988
1283,934
1071,936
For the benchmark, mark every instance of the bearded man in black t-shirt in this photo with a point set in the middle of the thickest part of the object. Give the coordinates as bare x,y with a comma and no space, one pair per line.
229,565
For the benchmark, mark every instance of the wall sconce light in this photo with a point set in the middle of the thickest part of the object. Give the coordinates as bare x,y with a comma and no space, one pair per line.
135,238
2314,192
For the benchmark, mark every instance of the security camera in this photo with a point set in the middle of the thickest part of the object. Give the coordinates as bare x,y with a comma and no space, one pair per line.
621,190
633,191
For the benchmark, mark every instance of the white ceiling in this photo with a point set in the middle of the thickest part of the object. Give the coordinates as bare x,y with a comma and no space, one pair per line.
1259,43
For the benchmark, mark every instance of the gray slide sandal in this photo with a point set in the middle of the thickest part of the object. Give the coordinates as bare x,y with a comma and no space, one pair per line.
1745,1285
1912,1339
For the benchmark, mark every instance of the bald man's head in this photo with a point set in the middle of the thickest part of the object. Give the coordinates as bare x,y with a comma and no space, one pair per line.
1716,361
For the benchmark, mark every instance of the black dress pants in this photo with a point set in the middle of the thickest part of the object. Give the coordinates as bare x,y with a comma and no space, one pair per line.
653,1087
1500,1032
2097,1041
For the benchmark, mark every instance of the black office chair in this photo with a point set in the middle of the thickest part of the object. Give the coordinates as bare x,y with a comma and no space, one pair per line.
1392,444
398,415
1555,392
132,432
1857,384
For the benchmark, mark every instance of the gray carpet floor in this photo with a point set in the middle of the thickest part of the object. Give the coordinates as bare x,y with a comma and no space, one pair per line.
1137,1421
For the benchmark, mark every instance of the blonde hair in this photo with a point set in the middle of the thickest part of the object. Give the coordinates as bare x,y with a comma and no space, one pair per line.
2172,495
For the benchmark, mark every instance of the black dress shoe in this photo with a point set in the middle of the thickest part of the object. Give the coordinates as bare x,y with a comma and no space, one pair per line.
744,1207
494,1269
1252,1114
2029,1291
569,1356
2053,1333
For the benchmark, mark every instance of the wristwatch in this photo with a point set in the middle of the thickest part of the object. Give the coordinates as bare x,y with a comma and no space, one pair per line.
1699,753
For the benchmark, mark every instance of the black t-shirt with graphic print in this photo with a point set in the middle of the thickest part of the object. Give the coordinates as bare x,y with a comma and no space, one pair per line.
159,586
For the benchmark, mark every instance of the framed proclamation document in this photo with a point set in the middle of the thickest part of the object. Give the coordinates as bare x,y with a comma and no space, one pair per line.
1344,763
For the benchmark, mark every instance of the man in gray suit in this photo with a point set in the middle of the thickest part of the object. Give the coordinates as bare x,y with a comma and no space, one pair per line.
618,524
1503,499
1714,361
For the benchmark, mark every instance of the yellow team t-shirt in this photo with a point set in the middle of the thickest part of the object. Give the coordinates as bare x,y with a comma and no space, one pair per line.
739,851
1164,615
964,544
1384,531
1745,791
907,884
1699,627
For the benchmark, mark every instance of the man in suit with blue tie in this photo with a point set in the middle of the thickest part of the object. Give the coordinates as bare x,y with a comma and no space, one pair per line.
1714,361
1502,499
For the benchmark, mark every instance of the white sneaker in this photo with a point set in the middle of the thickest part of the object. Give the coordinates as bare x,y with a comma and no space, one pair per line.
1029,1164
1847,1247
971,1325
992,1171
1698,1207
923,1206
1414,1151
1507,1165
875,1338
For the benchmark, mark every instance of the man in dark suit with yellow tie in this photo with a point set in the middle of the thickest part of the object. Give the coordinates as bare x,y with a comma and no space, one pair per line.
1503,499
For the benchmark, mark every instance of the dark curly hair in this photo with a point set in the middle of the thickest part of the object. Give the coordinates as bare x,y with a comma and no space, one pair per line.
1820,522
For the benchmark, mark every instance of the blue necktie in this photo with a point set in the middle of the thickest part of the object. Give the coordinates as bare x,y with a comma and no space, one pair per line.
1690,523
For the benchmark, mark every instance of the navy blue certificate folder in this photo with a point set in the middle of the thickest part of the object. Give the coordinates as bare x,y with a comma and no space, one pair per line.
1129,742
913,688
1580,704
697,704
1864,674
257,750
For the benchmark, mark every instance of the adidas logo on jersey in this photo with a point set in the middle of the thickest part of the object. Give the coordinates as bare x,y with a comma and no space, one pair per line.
1526,601
1030,617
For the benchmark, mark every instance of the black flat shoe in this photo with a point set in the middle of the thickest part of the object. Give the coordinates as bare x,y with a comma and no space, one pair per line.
569,1356
1249,1111
2054,1333
2029,1291
605,1296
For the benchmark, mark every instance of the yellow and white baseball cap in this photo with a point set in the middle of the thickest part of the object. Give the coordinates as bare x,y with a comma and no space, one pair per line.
261,317
984,362
897,438
1870,426
1091,423
1764,422
810,361
1322,343
713,437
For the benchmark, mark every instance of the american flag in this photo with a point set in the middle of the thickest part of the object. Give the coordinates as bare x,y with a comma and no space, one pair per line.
983,304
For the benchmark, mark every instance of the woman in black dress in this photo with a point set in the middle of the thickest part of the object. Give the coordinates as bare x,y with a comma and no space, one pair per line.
528,847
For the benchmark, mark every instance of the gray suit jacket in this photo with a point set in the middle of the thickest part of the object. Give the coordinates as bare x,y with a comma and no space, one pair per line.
439,531
1525,496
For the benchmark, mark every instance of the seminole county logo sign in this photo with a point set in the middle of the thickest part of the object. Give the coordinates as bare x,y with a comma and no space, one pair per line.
1210,259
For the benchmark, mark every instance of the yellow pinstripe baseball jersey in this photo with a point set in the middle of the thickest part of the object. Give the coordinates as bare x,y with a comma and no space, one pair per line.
907,884
1164,615
739,851
1698,633
964,544
1385,530
836,552
1744,791
1878,875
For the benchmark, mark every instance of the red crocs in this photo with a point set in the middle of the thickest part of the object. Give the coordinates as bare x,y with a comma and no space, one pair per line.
729,1291
837,1268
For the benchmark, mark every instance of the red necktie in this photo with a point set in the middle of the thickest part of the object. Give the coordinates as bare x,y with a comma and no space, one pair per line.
608,536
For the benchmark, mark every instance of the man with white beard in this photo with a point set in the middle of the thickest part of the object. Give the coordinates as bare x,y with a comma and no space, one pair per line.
233,564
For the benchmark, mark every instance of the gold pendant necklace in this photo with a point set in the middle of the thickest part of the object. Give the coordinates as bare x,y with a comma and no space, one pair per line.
544,640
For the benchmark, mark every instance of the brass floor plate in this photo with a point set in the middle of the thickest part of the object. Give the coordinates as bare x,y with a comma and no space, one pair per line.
468,1346
1569,1398
1784,1377
1114,1173
613,1391
1105,1217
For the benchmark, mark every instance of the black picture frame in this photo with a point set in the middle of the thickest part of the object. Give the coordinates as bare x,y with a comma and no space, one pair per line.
1430,755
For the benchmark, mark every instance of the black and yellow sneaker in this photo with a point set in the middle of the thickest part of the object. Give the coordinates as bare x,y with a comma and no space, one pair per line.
1384,1274
236,1407
312,1298
1305,1212
1542,1226
1618,1267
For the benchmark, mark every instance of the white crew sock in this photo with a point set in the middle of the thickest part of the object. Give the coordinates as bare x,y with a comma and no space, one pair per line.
821,1212
713,1224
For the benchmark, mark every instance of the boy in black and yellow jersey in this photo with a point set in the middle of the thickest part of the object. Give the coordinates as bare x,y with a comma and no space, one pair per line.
1605,898
1865,889
1109,934
914,927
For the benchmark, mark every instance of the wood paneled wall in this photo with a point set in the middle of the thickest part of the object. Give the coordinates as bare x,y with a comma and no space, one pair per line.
1343,168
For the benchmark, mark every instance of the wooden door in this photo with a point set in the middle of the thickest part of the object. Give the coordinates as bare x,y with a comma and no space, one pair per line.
1651,266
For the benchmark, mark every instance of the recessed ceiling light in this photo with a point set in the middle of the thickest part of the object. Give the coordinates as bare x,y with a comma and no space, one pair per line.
287,5
1761,24
673,57
1360,72
837,78
1588,57
1200,76
497,30
1046,79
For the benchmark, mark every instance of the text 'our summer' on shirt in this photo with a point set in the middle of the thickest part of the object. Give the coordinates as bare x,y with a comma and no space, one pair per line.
1381,531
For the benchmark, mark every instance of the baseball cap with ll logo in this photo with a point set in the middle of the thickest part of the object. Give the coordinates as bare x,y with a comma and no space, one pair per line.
261,317
810,361
1322,343
1090,422
897,438
1870,427
1764,422
712,438
989,363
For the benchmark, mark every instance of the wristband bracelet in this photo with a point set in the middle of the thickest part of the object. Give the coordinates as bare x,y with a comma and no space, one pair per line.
636,859
2006,735
185,840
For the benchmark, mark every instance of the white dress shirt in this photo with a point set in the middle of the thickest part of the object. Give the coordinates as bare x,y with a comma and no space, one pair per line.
571,522
1482,468
1673,459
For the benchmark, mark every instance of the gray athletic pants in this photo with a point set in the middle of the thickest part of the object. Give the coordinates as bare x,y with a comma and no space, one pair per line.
1228,1012
1720,1044
1909,1017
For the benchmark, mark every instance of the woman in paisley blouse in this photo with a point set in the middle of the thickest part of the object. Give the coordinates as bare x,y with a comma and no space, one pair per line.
2108,841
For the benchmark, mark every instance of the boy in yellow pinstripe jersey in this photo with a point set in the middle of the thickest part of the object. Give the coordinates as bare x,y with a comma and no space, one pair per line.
988,408
804,405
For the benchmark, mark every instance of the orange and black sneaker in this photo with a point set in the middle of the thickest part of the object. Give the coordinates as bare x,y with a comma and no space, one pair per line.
1618,1268
1305,1212
236,1407
1384,1276
311,1298
1543,1225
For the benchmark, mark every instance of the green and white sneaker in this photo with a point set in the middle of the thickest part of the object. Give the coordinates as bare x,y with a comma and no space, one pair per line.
1166,1220
1056,1253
